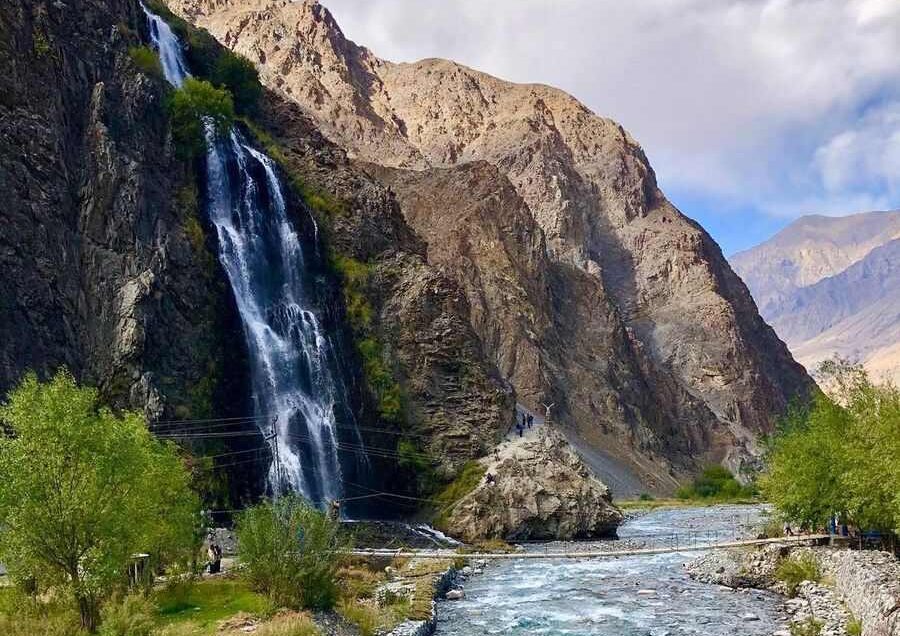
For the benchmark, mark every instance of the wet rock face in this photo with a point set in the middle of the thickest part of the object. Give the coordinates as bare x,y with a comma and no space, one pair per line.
586,286
541,490
99,271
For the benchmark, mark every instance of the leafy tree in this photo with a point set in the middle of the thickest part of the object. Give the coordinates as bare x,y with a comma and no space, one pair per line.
239,75
193,107
292,552
715,482
841,455
82,489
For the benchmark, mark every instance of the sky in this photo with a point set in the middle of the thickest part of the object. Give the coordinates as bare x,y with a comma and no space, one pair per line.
752,112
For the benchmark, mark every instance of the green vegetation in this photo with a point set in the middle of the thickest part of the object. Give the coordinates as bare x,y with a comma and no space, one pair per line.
82,489
793,570
190,107
147,60
133,615
718,484
839,455
466,481
239,76
291,552
40,43
355,277
854,627
809,627
204,604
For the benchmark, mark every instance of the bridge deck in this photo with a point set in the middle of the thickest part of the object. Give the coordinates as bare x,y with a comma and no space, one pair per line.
687,547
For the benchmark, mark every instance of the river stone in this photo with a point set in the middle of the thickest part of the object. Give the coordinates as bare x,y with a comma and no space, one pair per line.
455,595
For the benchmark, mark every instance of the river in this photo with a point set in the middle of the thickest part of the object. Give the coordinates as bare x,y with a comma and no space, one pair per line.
627,596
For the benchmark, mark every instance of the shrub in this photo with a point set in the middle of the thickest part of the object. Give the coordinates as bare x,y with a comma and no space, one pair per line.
809,627
793,570
238,74
291,552
191,107
147,60
715,482
854,627
131,616
365,616
645,496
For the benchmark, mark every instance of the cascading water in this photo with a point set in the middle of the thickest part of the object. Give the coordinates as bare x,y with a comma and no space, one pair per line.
292,364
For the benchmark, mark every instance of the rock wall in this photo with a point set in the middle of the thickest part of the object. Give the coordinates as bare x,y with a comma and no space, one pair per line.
106,268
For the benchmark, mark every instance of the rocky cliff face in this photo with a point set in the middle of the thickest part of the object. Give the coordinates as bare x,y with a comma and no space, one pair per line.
587,287
102,272
830,286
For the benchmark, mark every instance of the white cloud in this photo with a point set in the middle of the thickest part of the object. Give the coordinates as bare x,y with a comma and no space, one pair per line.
745,100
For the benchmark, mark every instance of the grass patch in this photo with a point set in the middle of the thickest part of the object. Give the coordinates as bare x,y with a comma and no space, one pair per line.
854,627
146,60
793,570
470,475
207,602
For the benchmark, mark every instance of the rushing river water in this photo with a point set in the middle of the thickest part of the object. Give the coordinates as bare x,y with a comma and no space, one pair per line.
627,596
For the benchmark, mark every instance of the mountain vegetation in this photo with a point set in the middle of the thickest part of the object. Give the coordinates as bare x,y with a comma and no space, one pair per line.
840,455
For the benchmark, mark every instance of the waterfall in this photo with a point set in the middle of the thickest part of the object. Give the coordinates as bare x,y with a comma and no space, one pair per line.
293,369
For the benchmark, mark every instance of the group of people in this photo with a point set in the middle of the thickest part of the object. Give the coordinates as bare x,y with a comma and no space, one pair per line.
526,422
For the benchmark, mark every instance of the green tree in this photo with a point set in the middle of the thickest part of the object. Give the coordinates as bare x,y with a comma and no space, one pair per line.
194,106
82,489
238,74
291,552
839,455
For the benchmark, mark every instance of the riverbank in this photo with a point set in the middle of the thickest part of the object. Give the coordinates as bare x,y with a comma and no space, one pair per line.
850,592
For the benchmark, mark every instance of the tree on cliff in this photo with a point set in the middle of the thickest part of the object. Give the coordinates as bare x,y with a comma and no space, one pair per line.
82,490
840,455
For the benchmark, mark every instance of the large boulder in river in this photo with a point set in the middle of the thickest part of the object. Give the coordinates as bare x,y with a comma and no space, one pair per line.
541,490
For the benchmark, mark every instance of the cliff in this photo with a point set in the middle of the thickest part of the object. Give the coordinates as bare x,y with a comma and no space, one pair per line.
588,288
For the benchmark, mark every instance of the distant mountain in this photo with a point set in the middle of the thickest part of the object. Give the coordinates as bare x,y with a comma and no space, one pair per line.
832,286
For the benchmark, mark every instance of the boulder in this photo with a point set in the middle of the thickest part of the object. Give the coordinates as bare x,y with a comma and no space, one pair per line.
542,490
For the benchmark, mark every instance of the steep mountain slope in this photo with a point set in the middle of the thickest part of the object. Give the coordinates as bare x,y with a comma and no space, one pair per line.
811,248
604,299
833,287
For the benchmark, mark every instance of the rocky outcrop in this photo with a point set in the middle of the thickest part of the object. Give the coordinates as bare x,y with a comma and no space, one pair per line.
540,490
656,352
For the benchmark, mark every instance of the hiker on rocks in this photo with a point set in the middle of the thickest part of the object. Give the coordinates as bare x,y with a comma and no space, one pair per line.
489,479
788,531
530,420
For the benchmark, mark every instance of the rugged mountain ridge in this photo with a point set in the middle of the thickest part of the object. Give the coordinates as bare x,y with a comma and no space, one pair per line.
830,286
655,352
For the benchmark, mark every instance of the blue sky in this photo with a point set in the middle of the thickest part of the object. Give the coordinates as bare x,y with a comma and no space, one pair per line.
752,112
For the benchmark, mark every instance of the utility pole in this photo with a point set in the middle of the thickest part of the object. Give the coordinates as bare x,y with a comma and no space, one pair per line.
273,437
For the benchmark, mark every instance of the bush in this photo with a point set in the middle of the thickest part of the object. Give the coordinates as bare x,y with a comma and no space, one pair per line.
191,107
715,482
131,616
645,496
291,551
239,76
854,627
793,570
365,616
147,60
809,627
